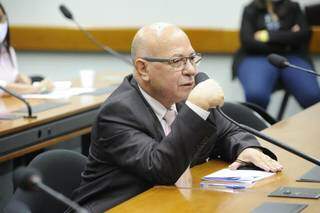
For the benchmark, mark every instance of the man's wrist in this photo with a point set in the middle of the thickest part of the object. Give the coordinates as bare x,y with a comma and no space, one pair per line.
204,114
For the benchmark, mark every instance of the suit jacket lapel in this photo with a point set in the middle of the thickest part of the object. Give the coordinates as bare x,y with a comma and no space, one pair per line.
154,121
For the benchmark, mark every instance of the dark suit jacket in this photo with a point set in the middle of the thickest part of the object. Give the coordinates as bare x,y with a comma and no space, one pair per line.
129,152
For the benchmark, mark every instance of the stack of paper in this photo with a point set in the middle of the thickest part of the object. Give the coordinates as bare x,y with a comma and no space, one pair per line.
233,179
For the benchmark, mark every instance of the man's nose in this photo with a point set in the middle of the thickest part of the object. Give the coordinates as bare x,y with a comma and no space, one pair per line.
189,69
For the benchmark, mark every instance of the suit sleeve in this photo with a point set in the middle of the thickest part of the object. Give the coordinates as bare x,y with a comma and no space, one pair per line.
135,151
232,140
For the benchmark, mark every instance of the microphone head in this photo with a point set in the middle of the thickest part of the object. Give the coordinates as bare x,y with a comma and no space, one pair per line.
27,178
201,76
278,60
66,12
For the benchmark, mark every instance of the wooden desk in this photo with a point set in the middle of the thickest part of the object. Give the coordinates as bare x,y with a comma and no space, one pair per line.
22,136
301,131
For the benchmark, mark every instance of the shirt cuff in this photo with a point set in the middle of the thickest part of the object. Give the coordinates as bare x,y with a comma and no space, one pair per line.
204,114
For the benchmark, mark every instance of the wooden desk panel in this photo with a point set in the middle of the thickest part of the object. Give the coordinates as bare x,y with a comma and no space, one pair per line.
77,104
301,131
80,108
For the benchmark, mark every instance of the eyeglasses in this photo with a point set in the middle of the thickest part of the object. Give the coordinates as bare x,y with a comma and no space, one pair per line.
179,63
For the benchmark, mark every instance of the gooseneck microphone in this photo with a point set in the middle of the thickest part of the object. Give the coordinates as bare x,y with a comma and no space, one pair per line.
29,179
67,14
202,77
282,62
21,99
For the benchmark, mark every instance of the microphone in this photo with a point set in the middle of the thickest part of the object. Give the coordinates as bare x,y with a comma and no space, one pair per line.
21,99
67,14
202,77
282,62
29,179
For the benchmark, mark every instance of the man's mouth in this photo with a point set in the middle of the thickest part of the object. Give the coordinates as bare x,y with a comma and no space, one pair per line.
187,84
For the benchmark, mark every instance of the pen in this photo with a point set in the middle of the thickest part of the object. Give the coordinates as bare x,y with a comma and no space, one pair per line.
221,178
219,186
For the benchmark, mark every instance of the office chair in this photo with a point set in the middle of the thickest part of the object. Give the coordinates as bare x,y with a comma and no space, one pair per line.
247,116
279,86
313,14
258,109
284,104
282,108
313,18
61,170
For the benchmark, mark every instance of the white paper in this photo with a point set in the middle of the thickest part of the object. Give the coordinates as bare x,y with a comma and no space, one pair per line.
237,176
60,94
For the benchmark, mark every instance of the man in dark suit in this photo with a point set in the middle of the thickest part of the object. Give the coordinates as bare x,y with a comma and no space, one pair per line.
157,124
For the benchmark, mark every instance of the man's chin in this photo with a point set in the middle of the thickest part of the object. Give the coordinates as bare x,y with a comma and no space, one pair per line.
182,97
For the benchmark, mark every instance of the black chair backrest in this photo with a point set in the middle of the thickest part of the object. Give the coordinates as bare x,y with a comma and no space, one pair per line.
313,14
61,170
262,112
244,115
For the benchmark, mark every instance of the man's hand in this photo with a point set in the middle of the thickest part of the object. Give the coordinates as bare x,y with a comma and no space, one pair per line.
252,155
207,94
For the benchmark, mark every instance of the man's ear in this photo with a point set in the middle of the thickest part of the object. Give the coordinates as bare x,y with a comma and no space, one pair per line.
141,67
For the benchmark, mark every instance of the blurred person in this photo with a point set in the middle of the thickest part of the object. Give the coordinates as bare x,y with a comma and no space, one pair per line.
274,26
10,78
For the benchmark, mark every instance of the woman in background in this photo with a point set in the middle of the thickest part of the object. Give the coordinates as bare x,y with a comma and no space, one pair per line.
10,78
274,26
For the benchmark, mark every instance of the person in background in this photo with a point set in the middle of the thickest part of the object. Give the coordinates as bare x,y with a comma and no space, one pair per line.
274,26
10,78
158,123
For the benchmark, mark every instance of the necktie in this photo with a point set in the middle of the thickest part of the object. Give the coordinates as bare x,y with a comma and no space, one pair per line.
169,118
185,179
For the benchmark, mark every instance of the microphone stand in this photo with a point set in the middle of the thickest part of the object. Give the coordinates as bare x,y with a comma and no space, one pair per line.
271,140
301,68
282,62
60,197
21,99
67,14
29,179
99,44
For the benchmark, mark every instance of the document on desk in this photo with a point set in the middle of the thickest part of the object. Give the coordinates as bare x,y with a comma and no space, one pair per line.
235,179
60,94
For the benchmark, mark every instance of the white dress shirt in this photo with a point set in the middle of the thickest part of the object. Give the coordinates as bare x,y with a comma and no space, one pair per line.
161,110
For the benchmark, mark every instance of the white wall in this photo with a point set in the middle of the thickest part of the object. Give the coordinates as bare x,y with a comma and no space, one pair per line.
124,13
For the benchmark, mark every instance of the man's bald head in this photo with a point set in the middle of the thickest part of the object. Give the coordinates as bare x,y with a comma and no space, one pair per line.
158,77
151,39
